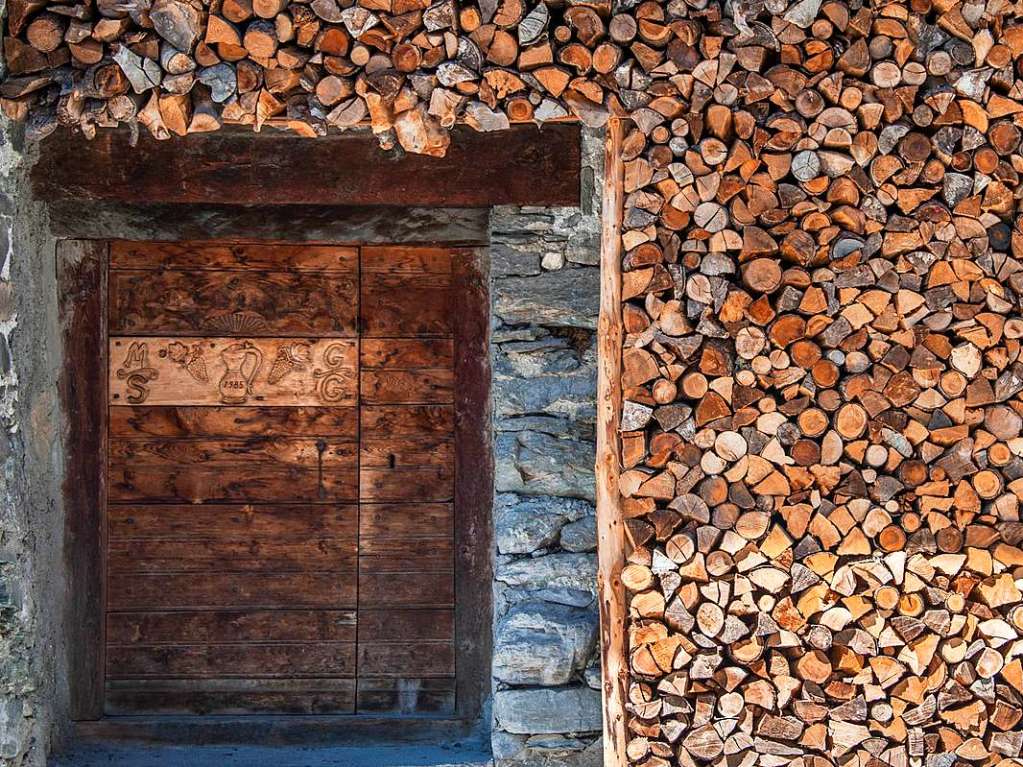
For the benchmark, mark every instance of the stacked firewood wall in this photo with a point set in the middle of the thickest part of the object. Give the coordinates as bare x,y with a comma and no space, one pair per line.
822,423
822,375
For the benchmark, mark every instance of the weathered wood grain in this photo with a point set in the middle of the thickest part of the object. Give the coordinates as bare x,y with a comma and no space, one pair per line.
474,488
223,471
406,555
230,696
423,657
163,591
335,455
403,452
80,286
404,520
407,420
406,353
233,421
205,626
422,386
611,549
413,625
414,485
232,303
234,167
238,521
209,556
406,370
418,590
244,660
416,259
212,256
411,695
404,305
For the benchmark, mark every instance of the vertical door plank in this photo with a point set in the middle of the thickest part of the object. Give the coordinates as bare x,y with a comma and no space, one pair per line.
80,279
407,478
610,527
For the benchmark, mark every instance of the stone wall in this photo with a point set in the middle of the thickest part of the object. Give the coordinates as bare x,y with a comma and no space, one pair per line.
545,267
31,578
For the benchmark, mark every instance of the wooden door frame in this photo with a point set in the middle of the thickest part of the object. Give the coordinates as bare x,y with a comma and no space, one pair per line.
611,539
81,289
81,302
108,215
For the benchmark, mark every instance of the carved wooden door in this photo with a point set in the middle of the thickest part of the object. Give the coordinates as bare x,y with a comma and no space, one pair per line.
280,479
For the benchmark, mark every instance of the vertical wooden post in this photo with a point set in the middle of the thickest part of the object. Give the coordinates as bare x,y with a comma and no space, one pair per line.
610,527
474,483
81,280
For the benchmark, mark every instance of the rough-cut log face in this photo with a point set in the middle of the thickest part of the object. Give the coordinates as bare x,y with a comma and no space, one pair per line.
821,373
821,433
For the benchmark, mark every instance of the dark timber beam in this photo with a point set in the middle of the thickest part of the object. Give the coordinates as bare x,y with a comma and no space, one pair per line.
527,166
335,224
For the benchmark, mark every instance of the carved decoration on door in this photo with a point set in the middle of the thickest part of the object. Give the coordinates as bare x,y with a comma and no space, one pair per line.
236,384
331,386
136,372
190,359
290,358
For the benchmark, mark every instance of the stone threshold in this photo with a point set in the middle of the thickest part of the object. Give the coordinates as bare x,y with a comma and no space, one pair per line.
275,741
148,755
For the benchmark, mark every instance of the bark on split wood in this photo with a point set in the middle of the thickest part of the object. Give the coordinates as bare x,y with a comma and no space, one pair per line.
611,532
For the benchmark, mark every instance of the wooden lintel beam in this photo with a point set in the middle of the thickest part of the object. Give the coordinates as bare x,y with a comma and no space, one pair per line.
524,166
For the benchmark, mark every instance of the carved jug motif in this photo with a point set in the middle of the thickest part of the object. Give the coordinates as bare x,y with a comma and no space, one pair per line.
236,384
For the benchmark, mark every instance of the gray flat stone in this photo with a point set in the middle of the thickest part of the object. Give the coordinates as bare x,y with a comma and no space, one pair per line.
580,535
514,259
548,710
566,297
532,463
525,524
564,578
548,424
547,375
539,643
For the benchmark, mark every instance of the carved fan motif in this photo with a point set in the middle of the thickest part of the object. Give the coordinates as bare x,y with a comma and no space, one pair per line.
240,323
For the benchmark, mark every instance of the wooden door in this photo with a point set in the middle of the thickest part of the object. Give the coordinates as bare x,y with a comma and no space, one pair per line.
280,479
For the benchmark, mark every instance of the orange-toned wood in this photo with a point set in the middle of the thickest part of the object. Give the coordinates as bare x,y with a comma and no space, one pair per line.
241,301
217,256
232,371
611,548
